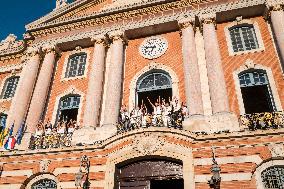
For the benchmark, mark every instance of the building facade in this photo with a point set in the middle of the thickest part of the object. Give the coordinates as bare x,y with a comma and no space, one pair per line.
78,80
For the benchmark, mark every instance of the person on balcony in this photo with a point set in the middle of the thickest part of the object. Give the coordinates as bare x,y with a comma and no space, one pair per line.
166,113
157,113
184,110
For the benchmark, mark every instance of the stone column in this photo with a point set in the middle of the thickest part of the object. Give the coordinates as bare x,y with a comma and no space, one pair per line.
277,19
217,86
24,90
114,84
95,85
41,88
191,69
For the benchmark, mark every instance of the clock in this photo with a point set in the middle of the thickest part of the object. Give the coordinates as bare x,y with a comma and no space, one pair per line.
153,47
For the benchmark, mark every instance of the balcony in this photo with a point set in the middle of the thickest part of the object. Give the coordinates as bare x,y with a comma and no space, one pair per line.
133,123
47,136
262,121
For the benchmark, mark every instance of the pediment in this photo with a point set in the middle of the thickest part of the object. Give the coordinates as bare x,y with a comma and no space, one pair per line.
81,9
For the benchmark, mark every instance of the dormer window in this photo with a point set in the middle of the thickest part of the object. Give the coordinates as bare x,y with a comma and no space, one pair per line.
243,38
10,87
76,65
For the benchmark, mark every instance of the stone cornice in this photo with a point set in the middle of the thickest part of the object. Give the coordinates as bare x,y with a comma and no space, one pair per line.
181,134
156,20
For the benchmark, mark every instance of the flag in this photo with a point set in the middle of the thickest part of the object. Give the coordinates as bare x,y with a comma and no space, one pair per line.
20,133
3,135
10,143
11,130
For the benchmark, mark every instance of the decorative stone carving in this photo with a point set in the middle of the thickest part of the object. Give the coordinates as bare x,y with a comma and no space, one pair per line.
61,3
32,51
274,5
276,150
148,143
11,45
43,165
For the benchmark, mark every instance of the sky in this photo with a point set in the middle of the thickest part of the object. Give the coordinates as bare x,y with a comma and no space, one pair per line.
15,14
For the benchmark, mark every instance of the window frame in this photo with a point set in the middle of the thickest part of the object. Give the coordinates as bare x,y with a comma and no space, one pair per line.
4,87
68,56
257,36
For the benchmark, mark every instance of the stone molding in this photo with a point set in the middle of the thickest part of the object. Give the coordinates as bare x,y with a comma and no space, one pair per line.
99,39
10,45
250,64
261,167
152,65
276,150
40,177
163,19
70,90
32,51
186,21
50,48
275,5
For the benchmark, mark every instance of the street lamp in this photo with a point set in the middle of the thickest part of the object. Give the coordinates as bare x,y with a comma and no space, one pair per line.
215,180
83,171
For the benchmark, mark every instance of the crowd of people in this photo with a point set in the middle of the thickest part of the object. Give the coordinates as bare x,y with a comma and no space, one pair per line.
53,136
163,113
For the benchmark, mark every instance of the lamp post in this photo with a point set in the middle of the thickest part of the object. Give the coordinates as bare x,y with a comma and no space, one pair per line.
83,171
215,180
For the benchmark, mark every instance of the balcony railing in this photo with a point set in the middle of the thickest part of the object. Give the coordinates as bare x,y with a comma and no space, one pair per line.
48,136
262,121
133,123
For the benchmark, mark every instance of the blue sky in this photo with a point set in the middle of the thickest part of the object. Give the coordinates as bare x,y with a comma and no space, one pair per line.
15,14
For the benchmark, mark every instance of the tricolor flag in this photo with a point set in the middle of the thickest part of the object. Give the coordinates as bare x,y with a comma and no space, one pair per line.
10,144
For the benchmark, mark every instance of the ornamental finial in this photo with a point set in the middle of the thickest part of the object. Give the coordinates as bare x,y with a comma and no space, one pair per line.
61,3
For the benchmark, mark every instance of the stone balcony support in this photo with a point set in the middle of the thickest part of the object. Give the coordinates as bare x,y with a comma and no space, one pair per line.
191,69
24,90
95,85
41,88
277,17
217,86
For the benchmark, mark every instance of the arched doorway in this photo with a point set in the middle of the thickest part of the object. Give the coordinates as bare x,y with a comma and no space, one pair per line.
153,85
256,92
44,184
150,174
68,108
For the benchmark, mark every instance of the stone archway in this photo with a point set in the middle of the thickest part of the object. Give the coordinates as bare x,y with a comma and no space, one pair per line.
153,145
149,173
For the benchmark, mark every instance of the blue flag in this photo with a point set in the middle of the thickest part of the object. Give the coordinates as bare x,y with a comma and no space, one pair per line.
20,133
11,130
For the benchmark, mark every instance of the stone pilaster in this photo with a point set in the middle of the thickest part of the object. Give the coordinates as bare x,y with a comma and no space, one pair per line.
114,85
218,92
191,69
277,17
24,90
95,85
41,88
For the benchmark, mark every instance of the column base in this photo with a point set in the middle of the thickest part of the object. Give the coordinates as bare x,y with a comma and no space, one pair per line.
219,122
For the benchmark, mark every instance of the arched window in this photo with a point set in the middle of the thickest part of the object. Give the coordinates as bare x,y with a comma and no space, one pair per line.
76,65
44,184
10,87
256,92
153,85
68,108
243,37
273,177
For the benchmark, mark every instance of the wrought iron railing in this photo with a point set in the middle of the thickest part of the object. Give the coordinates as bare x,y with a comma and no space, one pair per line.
170,121
262,121
53,140
53,136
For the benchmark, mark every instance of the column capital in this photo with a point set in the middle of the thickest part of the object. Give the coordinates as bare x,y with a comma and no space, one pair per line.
117,35
275,5
32,51
99,39
186,22
48,48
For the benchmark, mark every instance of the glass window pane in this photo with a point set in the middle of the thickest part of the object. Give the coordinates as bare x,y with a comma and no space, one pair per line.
273,177
10,87
76,65
44,184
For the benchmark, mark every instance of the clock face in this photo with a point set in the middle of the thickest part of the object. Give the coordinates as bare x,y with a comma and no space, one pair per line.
153,47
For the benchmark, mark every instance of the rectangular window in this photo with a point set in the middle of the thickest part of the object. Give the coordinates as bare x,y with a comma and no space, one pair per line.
76,65
10,87
243,38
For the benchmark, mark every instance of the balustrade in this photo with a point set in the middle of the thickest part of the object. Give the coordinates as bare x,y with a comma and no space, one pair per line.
262,121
